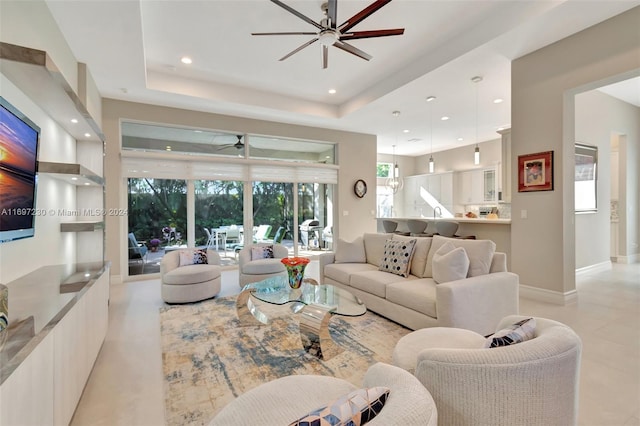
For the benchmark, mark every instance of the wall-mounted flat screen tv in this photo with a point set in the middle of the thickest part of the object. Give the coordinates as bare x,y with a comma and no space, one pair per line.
19,139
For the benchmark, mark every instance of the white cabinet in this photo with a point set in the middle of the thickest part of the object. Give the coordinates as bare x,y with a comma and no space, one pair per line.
477,187
423,192
46,386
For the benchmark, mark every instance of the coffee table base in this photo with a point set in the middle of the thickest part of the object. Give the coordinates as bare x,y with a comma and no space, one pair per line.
314,332
248,312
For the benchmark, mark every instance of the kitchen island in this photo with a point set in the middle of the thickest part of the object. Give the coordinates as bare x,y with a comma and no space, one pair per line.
496,230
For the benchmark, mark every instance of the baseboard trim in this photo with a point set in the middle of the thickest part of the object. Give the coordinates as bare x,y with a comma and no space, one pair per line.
548,296
634,258
597,267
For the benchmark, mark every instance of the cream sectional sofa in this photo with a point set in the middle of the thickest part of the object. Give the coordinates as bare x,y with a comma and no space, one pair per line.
476,302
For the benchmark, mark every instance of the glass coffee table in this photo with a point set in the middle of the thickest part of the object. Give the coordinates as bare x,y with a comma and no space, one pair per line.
315,303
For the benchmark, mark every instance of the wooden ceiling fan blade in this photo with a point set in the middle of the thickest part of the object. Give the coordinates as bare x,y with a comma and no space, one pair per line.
332,13
371,34
353,50
298,49
325,56
286,33
298,14
362,15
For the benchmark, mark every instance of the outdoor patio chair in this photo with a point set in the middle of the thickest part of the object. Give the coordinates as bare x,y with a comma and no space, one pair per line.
137,251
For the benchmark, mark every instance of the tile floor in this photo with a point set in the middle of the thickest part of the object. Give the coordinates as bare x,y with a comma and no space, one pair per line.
126,386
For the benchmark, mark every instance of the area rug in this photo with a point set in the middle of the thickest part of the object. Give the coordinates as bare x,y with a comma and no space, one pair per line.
209,359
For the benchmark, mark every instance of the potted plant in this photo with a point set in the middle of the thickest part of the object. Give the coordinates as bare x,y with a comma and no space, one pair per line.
154,244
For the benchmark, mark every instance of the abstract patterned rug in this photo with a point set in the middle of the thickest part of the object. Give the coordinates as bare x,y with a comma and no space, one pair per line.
209,359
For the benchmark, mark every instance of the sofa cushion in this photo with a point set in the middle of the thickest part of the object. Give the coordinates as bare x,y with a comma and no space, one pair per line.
397,256
191,274
350,252
480,253
450,263
420,253
374,246
262,252
375,282
262,266
416,294
356,408
193,257
342,272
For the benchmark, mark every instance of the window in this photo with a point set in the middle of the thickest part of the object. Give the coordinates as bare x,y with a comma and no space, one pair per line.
383,170
586,194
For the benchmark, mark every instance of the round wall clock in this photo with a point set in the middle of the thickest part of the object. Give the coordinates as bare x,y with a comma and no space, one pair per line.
360,188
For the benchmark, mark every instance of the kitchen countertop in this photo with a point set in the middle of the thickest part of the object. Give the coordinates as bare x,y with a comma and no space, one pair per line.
479,220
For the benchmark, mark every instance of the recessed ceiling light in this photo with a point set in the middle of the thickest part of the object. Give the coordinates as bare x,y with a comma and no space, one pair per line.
444,118
498,101
186,60
87,183
460,139
87,135
74,120
74,178
332,91
168,148
431,98
405,131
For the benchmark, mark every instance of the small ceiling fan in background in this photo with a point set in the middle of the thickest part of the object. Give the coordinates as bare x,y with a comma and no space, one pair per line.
331,34
238,145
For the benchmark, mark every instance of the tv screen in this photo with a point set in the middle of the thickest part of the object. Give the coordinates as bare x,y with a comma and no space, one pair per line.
19,138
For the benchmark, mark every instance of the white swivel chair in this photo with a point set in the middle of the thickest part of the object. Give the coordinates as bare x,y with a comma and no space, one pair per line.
532,383
189,283
251,271
282,401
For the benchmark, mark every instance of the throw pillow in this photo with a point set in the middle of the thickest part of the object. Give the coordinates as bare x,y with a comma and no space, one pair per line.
480,253
420,253
262,252
396,257
450,263
350,252
193,257
354,409
515,333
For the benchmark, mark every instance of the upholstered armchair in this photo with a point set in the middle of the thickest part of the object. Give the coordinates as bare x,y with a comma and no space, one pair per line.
532,383
257,269
190,282
282,401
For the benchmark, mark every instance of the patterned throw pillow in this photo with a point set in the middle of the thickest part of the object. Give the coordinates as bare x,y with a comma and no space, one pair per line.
397,255
354,409
262,252
193,257
515,333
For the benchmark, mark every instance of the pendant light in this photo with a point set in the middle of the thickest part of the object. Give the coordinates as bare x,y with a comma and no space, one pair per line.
394,182
432,163
476,151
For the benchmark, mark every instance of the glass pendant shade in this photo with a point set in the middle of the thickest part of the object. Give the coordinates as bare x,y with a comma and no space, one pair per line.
432,164
476,156
394,181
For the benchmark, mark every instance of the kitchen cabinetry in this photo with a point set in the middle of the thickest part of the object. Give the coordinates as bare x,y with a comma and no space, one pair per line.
422,193
477,187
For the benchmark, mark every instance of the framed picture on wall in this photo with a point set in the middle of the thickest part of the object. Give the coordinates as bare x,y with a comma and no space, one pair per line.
535,172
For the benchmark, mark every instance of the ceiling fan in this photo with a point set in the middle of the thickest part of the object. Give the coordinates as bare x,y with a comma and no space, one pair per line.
238,145
331,34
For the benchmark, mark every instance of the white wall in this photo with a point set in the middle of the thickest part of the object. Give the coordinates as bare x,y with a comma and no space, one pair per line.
356,154
599,118
544,84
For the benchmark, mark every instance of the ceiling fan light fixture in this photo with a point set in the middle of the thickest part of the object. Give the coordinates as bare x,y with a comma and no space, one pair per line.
328,37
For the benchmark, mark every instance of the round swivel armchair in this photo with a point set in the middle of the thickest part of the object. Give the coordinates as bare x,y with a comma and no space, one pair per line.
189,283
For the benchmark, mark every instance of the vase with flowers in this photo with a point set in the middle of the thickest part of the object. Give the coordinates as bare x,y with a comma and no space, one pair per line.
295,269
154,243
